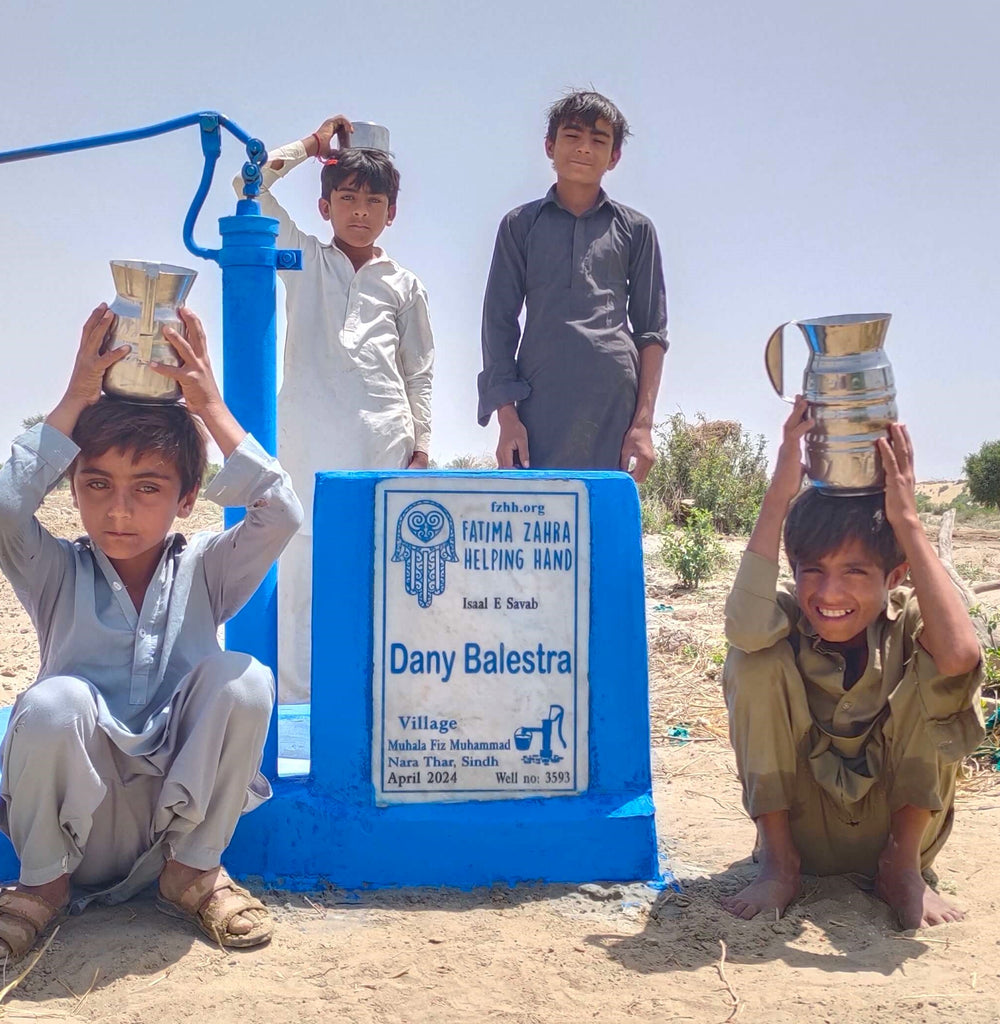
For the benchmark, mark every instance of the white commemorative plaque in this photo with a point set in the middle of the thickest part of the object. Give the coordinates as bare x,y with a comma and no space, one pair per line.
482,609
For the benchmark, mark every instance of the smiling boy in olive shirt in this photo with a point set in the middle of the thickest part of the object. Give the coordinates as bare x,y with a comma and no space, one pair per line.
852,698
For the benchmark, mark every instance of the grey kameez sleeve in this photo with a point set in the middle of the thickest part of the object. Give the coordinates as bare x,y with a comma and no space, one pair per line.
499,383
238,559
30,557
647,293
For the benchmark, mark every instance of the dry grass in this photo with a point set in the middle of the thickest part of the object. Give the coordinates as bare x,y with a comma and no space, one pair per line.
687,647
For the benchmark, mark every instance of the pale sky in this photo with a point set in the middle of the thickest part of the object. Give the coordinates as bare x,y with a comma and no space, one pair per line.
798,160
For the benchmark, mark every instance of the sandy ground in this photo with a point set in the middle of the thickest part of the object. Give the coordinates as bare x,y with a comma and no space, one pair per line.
554,954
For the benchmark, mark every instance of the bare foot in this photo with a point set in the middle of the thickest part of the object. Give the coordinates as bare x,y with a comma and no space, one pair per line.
916,904
898,880
772,890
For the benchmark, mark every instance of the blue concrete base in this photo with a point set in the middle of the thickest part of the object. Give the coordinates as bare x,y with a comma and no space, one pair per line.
317,841
327,828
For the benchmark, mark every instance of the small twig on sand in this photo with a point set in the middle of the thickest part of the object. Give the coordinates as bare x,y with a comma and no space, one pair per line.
11,985
921,938
83,998
714,799
68,989
720,967
319,910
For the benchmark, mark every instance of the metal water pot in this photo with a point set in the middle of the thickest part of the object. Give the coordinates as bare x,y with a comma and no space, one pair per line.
367,135
148,295
849,385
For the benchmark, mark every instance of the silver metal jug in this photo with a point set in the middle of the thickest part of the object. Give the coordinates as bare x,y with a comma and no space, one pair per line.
147,298
849,385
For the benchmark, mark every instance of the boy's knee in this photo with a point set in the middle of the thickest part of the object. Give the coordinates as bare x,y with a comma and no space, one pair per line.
750,678
240,680
55,703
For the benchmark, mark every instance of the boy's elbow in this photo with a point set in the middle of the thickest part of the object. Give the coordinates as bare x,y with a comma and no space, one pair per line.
960,661
296,516
957,655
746,644
741,632
745,640
284,515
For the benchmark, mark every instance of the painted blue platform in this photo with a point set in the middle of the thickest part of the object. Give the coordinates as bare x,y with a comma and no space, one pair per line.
326,828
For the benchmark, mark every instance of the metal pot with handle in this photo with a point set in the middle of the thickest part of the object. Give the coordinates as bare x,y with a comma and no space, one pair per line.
851,391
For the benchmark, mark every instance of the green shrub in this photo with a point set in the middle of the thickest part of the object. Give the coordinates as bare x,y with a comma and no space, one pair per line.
656,517
969,572
989,622
694,551
969,511
714,465
982,469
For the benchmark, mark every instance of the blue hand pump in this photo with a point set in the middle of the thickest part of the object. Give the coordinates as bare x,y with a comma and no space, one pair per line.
249,259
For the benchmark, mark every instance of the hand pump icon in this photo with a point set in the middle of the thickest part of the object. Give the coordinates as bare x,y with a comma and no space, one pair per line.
525,734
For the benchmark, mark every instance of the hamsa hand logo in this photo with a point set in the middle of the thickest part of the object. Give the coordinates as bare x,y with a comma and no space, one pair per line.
425,543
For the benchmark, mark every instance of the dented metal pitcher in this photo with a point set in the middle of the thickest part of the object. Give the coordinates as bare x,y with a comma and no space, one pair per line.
851,391
147,299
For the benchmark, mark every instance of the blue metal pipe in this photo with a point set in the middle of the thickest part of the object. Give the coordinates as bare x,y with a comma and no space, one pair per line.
248,258
132,135
211,146
112,139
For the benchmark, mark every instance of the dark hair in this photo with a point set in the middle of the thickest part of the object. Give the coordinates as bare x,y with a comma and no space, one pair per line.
818,524
169,431
585,108
364,168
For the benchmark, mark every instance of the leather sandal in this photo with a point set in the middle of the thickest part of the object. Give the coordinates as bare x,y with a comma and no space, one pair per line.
211,902
24,919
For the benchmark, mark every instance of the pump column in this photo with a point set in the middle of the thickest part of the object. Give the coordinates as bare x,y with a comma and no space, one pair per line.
249,260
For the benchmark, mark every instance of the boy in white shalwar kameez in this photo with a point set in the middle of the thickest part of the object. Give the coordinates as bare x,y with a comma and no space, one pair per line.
359,357
136,750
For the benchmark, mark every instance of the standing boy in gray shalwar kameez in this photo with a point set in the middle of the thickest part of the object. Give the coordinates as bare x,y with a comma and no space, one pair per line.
136,750
578,388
